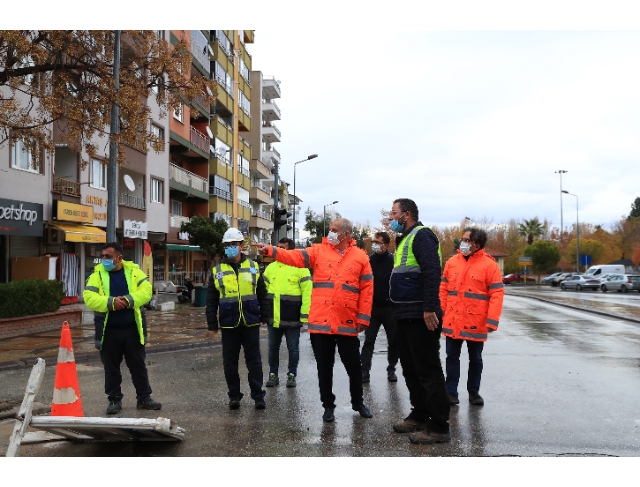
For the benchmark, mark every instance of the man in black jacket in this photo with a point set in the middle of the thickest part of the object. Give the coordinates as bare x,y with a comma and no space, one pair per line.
414,291
381,314
237,290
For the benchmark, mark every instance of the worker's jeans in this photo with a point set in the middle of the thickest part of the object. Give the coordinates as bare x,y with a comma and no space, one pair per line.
247,337
454,348
292,335
119,343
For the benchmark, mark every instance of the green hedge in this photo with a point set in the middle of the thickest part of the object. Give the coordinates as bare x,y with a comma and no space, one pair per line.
30,297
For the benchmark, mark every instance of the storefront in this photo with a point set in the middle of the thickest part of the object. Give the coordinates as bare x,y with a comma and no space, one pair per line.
21,230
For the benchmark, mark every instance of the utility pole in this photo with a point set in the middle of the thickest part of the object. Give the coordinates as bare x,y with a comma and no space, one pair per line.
561,172
274,239
112,172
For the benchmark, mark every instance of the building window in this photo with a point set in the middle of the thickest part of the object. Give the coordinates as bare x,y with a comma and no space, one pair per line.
176,208
157,191
23,159
158,133
177,112
98,175
159,34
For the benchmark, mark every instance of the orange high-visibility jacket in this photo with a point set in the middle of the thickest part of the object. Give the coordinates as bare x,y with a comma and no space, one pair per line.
471,294
342,293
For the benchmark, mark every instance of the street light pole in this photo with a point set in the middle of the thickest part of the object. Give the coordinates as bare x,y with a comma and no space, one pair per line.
324,218
295,195
561,172
114,129
577,233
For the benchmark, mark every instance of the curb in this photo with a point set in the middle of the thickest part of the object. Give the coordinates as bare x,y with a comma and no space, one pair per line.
601,313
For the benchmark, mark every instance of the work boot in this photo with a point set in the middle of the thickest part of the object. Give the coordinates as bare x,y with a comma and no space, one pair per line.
365,376
476,399
364,411
428,437
291,380
391,376
408,425
260,404
234,404
273,380
149,404
328,416
453,400
114,407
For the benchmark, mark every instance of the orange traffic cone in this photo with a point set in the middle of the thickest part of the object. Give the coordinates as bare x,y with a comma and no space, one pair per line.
66,391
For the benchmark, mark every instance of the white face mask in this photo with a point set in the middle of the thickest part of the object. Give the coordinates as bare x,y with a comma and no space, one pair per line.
465,248
332,238
376,248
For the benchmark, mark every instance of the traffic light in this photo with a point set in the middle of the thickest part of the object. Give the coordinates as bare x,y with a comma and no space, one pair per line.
281,216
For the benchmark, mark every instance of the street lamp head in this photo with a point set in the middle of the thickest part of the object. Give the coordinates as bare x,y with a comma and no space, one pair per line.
334,203
565,191
312,156
560,171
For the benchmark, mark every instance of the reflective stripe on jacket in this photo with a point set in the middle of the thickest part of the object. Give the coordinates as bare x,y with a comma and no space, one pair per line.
238,296
406,282
342,293
471,293
290,290
96,296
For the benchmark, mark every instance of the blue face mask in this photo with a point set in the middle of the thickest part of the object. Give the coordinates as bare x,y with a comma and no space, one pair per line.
232,251
396,226
108,264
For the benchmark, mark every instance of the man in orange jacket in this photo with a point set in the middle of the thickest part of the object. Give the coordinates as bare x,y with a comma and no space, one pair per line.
471,293
341,303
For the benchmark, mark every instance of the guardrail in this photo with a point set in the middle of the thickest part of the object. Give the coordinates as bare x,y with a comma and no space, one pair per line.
200,140
66,186
126,199
188,178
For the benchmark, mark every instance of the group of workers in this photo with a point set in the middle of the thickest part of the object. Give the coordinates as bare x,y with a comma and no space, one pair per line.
347,292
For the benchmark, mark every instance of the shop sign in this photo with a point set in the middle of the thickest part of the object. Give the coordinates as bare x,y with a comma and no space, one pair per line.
134,229
100,213
72,212
20,218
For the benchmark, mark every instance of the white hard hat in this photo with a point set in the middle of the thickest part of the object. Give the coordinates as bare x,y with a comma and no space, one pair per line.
232,235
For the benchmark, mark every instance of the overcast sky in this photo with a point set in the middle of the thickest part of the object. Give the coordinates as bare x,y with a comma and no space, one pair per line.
466,123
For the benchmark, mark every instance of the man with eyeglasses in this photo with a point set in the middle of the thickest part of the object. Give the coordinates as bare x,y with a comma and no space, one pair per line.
471,293
413,290
238,294
381,313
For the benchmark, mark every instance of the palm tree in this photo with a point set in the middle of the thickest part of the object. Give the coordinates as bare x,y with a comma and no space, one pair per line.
531,229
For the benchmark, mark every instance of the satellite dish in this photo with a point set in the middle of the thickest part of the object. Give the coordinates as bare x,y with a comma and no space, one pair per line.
209,132
128,181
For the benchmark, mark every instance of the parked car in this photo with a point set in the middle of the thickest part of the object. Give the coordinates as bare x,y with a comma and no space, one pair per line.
558,279
510,278
621,283
548,279
579,283
604,277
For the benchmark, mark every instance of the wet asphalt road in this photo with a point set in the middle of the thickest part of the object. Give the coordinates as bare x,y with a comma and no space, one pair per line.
556,382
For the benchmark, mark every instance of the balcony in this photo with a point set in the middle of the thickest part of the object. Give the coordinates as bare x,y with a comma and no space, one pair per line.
175,221
259,193
271,110
260,219
200,140
200,49
270,133
201,105
65,186
125,199
225,195
270,156
187,182
270,88
259,169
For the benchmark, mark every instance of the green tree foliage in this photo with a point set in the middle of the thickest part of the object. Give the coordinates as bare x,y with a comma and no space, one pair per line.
635,209
316,225
588,246
531,229
360,233
206,233
545,255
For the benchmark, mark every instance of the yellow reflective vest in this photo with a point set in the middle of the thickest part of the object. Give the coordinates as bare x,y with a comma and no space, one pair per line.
238,294
290,289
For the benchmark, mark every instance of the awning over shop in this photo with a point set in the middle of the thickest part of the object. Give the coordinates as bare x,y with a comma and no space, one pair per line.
192,248
81,233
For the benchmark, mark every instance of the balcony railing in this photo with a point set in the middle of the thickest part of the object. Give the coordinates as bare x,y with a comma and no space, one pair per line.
199,49
125,199
261,214
246,204
244,141
188,178
245,171
200,140
275,129
221,192
199,100
175,221
66,186
262,187
223,82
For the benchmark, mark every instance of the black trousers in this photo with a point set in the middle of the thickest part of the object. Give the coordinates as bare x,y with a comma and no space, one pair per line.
324,350
119,343
247,337
420,359
380,315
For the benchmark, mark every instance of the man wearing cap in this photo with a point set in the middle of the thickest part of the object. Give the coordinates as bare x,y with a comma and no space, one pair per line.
238,295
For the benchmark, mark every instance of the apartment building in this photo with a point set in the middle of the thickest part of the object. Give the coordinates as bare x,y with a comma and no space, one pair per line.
263,138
